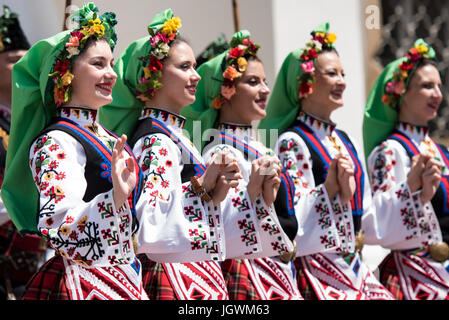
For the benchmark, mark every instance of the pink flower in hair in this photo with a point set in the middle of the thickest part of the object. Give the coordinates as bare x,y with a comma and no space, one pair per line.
308,67
227,92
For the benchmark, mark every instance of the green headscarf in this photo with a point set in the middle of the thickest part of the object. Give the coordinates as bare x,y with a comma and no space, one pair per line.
284,102
122,114
33,108
210,86
381,118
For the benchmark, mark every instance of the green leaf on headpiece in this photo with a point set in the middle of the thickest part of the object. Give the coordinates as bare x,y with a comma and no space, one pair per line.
159,20
430,54
83,15
324,27
109,21
238,37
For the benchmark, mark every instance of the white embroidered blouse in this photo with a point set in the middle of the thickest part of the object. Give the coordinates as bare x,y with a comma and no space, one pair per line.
402,221
93,233
257,231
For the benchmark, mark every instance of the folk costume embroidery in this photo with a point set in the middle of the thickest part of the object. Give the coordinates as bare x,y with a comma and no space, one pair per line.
268,277
328,239
419,225
177,228
78,216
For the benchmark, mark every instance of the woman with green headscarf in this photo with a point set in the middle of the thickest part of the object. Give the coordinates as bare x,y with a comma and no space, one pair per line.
331,195
182,235
408,168
231,95
81,190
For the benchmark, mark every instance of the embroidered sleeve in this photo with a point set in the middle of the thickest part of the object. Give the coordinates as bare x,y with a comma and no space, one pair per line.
89,233
251,229
317,230
175,224
400,220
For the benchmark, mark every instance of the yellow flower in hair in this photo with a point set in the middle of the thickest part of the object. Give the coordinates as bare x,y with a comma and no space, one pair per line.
147,72
171,26
422,49
67,78
96,21
97,29
242,64
330,38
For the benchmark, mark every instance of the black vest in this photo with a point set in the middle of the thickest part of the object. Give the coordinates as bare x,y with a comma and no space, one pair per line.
146,127
98,168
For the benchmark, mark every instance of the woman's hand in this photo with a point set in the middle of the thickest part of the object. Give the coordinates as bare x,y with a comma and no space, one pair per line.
431,177
222,174
271,168
414,176
122,173
228,178
345,177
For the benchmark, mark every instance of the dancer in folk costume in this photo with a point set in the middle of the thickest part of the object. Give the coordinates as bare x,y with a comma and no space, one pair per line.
84,182
20,256
231,94
182,236
332,193
409,171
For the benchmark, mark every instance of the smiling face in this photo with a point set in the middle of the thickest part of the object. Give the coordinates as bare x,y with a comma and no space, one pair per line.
94,76
250,99
423,97
179,79
328,88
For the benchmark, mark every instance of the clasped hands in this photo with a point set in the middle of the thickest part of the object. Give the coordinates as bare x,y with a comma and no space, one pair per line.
340,178
424,174
223,173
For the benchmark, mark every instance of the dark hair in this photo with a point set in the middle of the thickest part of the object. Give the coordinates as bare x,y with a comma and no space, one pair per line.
427,62
328,49
253,58
90,42
178,40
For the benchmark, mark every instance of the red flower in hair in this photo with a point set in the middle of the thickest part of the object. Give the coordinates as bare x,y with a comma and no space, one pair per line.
312,54
304,89
62,66
236,52
77,34
413,54
406,66
155,65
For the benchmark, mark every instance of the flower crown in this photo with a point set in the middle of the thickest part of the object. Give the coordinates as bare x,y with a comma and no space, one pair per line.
235,65
160,38
396,87
91,25
11,32
320,40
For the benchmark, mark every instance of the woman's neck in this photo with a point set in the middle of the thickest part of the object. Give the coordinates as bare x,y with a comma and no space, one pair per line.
320,112
411,120
226,115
